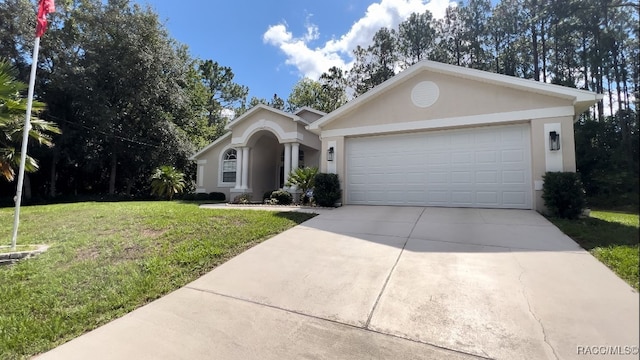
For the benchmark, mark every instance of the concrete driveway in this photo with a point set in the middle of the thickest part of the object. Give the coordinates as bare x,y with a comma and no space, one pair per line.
389,283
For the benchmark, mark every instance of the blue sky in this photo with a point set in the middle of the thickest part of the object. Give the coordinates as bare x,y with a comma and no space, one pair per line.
271,45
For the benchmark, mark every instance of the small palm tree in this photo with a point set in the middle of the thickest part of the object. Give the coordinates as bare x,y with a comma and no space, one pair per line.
13,107
167,181
303,179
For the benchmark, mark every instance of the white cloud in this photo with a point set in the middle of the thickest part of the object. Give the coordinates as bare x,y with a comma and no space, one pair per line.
312,62
313,33
309,62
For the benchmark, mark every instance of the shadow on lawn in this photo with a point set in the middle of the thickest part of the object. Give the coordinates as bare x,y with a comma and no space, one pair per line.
297,217
591,233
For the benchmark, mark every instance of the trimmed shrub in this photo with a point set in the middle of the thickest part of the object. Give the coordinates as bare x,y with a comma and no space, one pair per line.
242,199
217,196
282,197
563,194
213,196
267,195
326,191
188,196
201,197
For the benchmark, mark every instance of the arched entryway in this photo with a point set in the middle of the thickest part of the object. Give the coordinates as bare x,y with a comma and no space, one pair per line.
264,163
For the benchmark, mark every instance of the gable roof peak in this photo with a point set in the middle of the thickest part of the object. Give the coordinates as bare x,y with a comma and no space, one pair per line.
257,108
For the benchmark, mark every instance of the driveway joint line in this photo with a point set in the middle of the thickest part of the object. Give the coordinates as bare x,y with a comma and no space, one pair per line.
384,286
531,312
272,306
337,322
484,219
426,343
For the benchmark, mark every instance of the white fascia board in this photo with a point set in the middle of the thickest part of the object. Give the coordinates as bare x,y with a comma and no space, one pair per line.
315,130
302,120
206,148
462,121
511,81
309,109
584,103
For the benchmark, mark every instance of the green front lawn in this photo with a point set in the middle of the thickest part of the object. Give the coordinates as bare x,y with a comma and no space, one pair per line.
107,259
612,237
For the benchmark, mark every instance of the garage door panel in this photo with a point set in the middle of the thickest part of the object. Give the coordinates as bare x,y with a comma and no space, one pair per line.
417,178
377,179
357,197
357,162
357,180
461,177
512,155
481,167
513,177
438,178
396,158
462,158
376,195
486,157
461,139
487,177
396,179
412,159
394,195
438,197
437,158
514,198
464,198
435,142
488,198
513,135
417,197
486,137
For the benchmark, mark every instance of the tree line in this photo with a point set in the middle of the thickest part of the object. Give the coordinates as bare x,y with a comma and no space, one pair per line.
586,44
128,98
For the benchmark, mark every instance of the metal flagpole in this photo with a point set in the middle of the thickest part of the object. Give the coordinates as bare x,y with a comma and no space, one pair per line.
25,141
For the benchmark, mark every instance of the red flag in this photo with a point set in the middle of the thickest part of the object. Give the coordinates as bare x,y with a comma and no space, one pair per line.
44,8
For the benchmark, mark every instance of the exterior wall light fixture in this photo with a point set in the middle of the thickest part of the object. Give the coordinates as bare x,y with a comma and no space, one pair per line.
330,154
554,141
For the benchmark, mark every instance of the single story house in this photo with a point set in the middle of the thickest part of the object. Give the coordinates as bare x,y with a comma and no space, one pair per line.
433,135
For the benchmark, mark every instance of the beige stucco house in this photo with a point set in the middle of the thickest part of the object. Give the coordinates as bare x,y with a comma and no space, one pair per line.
258,152
433,135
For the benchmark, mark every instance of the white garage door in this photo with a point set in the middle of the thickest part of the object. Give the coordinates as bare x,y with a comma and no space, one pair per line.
487,167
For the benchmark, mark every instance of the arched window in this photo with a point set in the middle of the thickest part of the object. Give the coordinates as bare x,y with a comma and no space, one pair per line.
229,166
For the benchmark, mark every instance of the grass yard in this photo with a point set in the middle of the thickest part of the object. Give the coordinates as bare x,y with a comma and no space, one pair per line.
612,237
107,259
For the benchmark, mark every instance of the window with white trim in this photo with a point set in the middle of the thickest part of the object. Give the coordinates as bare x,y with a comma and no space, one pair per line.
229,161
